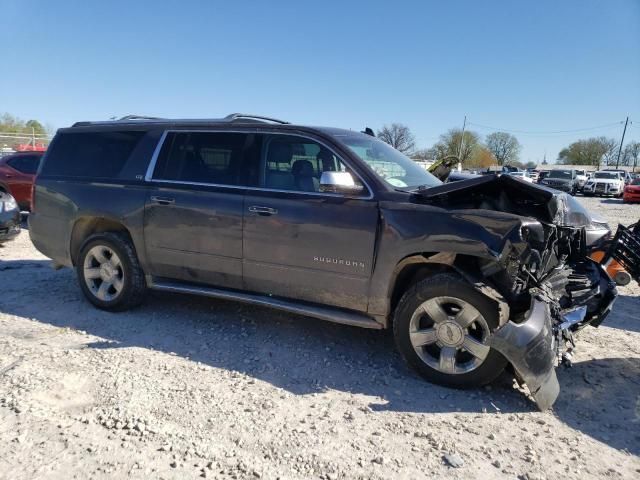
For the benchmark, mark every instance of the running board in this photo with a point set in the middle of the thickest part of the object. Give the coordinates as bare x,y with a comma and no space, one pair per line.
329,314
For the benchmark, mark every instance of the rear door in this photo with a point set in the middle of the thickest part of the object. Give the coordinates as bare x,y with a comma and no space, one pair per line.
302,243
193,213
20,176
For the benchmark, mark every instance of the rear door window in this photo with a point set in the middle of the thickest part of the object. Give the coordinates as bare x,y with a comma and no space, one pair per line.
90,154
205,157
25,163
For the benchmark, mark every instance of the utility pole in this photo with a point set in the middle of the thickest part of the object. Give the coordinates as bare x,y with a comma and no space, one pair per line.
464,124
621,142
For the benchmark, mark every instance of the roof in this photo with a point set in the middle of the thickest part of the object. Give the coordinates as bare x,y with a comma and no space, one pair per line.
233,118
144,119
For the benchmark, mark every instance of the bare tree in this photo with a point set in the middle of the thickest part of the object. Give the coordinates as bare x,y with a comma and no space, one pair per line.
504,146
631,154
611,150
398,136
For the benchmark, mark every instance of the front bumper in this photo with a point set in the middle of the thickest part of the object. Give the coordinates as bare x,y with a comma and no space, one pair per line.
9,224
530,347
602,189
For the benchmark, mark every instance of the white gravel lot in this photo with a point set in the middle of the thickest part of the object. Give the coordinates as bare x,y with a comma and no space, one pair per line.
186,387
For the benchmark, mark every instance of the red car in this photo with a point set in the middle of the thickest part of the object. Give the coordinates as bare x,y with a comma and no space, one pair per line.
632,191
17,173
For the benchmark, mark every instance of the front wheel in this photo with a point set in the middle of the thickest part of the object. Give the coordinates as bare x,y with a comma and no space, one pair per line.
442,328
109,273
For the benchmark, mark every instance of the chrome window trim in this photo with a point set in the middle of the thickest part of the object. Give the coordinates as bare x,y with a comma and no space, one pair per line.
156,153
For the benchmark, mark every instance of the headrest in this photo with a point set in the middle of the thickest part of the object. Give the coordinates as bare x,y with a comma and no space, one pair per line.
302,168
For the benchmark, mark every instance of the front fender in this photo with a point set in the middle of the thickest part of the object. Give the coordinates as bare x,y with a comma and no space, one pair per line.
410,230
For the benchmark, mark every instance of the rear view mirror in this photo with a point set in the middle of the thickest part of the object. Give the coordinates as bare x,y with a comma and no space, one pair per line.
339,182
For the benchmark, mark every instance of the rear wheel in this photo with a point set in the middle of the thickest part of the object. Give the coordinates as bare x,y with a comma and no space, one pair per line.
109,273
442,328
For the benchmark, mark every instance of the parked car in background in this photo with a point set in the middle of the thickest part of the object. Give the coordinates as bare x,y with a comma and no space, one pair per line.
534,174
564,180
582,177
632,191
626,176
17,173
605,183
521,175
9,217
542,174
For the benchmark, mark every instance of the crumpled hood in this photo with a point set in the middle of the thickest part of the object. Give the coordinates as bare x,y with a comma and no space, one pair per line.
508,194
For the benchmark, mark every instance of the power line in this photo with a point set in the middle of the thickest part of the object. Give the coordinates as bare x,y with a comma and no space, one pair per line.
549,132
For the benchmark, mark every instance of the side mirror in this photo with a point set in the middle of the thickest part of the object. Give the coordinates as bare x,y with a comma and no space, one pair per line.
339,182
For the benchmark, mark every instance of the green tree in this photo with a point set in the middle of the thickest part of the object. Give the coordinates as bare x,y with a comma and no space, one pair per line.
587,152
449,144
37,127
504,146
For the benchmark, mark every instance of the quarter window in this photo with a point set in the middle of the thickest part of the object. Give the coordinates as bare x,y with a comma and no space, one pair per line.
90,154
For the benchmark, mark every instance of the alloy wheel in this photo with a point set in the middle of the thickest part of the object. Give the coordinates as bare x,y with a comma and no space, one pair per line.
103,273
450,335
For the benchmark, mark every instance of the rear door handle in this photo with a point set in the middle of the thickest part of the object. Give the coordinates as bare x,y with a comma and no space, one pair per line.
266,211
163,200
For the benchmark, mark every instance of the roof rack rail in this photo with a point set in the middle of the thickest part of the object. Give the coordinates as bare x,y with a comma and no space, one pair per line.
138,117
239,116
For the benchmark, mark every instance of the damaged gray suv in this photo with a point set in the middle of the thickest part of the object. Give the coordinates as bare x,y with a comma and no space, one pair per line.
472,276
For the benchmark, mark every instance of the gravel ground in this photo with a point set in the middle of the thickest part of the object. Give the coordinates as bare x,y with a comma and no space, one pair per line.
185,387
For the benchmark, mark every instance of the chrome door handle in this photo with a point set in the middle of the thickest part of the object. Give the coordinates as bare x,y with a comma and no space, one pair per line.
163,200
263,210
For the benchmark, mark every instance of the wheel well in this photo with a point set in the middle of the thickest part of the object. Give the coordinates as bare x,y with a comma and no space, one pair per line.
85,227
413,269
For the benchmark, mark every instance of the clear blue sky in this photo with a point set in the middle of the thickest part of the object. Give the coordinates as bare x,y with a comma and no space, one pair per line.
532,66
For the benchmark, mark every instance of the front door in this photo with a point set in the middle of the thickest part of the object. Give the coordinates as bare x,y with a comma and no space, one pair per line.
194,209
302,243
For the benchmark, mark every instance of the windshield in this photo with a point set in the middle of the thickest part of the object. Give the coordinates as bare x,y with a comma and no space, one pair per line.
564,174
581,172
610,175
636,181
396,169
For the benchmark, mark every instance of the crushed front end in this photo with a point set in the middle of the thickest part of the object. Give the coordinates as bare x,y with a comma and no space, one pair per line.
543,273
553,290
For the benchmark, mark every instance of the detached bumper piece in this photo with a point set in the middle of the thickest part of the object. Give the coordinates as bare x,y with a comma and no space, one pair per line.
530,347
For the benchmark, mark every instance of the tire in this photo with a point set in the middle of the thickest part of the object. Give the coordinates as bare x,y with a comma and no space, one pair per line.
109,273
467,370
